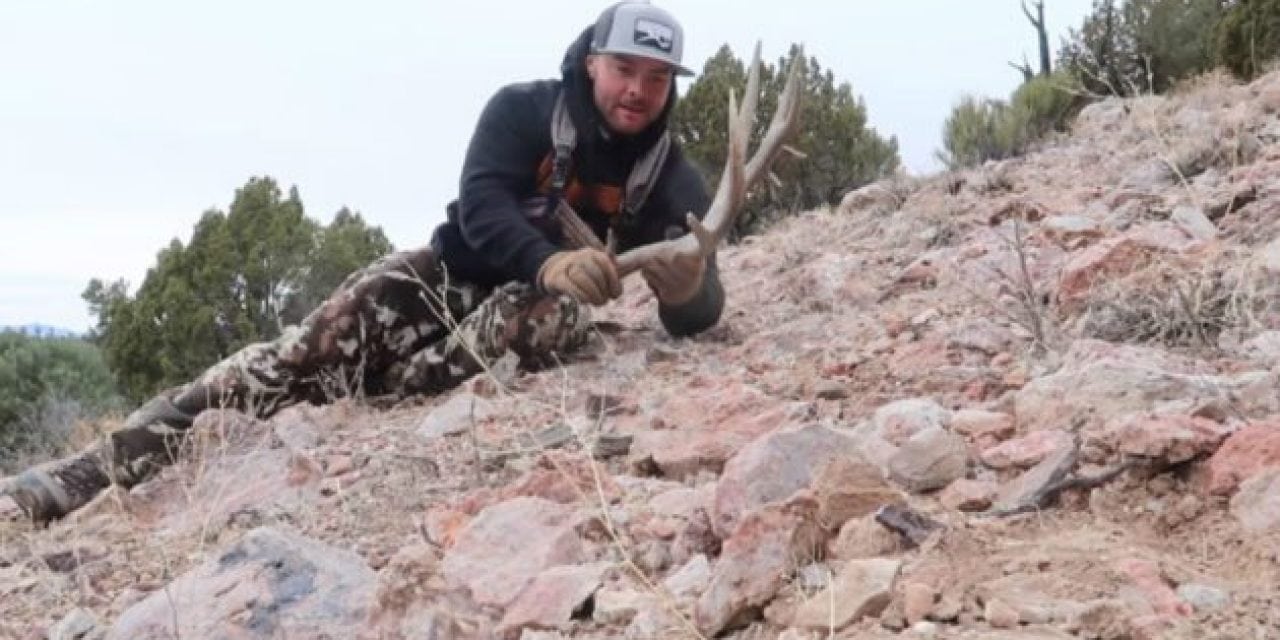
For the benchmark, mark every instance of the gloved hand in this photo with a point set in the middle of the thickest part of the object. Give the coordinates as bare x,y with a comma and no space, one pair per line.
588,275
674,277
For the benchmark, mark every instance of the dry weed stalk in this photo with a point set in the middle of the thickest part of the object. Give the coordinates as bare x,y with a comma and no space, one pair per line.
599,500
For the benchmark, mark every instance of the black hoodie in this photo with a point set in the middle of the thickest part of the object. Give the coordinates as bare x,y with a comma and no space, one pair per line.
496,230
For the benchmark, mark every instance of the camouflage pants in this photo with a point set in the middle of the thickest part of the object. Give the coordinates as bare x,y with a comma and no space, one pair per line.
398,326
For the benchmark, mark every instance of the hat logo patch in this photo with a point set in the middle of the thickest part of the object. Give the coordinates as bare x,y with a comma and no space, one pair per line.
654,34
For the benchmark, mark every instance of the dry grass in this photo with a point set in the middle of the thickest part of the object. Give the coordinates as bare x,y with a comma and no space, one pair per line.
1187,303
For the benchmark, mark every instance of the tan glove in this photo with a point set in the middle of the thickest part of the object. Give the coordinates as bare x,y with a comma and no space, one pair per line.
589,275
675,278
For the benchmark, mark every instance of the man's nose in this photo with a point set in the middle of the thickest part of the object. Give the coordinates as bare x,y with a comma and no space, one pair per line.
635,86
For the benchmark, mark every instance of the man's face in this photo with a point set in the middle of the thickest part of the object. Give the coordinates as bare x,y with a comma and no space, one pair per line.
630,91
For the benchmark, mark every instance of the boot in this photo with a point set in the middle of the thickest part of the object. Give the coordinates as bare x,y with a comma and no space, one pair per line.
50,491
146,443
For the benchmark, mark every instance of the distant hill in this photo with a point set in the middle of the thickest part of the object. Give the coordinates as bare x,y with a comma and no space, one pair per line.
37,330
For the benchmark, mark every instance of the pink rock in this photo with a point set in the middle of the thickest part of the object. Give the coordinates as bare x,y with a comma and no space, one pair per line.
1118,255
897,421
918,599
850,487
1244,454
773,468
755,562
707,427
1146,576
508,544
975,424
1257,504
1172,438
969,495
338,464
269,584
861,588
566,478
550,600
1027,450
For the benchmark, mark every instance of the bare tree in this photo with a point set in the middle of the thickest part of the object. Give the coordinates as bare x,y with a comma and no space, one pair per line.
1037,21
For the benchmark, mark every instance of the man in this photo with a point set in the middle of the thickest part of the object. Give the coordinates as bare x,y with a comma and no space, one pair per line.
499,275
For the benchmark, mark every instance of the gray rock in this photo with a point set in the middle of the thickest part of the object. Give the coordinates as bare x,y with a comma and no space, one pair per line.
76,625
1204,597
931,459
270,584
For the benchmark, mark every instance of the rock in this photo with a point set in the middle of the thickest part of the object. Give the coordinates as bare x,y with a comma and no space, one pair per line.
773,468
930,459
508,544
861,588
552,598
850,487
983,336
616,607
1146,576
1103,618
969,495
863,537
76,625
455,415
411,577
918,600
1244,454
1257,504
1098,380
999,614
755,562
878,197
1071,231
566,478
1264,348
706,428
269,584
1026,451
1169,438
897,421
1203,597
1192,220
1269,258
979,425
831,390
1117,255
1022,491
924,629
691,579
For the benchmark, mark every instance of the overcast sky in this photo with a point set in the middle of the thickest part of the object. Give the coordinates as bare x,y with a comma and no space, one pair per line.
122,121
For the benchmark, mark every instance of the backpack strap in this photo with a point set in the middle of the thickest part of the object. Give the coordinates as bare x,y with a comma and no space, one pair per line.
644,176
564,137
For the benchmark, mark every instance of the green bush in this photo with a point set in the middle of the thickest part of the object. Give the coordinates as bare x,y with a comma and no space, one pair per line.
981,129
978,129
1127,47
1042,105
46,385
1248,37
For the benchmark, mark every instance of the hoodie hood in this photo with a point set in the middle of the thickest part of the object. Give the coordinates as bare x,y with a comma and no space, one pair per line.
582,108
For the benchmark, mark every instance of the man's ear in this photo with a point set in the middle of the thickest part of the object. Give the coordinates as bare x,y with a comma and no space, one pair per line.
591,63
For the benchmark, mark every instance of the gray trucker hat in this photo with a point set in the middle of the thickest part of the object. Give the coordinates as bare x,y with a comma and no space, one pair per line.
640,29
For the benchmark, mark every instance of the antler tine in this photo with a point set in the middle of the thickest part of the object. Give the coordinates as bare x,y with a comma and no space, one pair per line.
784,122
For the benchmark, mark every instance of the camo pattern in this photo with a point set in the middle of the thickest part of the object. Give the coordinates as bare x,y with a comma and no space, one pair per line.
397,326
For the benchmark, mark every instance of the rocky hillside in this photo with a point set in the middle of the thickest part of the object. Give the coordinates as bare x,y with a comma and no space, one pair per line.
1038,399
